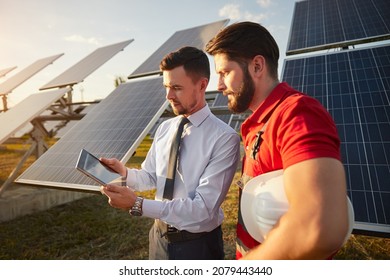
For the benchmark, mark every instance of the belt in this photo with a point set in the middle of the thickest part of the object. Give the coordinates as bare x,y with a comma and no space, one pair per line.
174,235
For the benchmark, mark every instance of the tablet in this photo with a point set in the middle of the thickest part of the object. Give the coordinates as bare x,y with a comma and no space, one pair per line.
98,171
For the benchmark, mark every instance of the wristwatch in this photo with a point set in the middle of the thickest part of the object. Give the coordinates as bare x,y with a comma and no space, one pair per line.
136,210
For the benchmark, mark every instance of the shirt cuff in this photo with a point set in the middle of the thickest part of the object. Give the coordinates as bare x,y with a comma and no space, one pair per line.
152,208
130,178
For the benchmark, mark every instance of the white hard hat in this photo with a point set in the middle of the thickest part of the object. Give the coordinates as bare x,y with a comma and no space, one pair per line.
264,201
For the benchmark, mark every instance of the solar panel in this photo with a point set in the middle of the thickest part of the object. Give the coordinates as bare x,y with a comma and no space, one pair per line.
20,77
354,86
55,128
78,72
4,72
26,110
113,128
221,110
61,128
323,24
222,101
196,37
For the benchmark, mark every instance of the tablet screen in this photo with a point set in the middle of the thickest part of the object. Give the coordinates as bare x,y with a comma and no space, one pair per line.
95,169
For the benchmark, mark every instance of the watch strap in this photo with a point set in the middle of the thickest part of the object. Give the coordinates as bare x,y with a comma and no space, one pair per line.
136,210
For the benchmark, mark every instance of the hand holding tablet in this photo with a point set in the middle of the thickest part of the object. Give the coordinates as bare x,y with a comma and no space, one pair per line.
91,166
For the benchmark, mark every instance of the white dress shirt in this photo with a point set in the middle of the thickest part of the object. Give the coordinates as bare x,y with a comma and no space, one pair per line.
209,153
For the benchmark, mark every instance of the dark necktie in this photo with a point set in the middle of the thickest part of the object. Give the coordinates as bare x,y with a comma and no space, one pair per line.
170,180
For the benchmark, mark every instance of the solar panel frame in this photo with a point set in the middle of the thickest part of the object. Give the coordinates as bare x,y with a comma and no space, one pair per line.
354,86
20,77
78,72
113,128
197,37
26,110
51,125
342,22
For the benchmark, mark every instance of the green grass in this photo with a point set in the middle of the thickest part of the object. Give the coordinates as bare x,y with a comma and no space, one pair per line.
90,229
84,229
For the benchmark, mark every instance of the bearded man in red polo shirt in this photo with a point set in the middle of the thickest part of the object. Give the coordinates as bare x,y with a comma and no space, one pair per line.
287,131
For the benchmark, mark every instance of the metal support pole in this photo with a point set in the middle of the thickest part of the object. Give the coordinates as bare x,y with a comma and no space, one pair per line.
16,170
38,146
5,108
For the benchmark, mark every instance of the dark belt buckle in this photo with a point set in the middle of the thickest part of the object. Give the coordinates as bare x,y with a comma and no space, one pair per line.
173,234
171,229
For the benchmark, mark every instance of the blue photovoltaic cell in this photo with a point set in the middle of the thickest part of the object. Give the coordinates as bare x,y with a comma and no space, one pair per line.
322,24
113,128
315,31
355,88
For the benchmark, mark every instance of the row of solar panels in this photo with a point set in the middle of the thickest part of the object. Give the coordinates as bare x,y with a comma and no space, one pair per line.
115,126
76,74
194,36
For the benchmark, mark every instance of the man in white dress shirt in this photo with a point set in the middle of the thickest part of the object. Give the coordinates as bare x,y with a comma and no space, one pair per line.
188,226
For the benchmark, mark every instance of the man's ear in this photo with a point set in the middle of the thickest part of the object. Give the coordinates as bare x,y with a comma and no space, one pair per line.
258,65
203,83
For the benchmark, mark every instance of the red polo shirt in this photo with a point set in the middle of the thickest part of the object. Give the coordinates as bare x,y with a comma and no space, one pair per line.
298,129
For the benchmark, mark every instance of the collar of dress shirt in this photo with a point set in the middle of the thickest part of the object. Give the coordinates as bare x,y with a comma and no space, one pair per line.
198,117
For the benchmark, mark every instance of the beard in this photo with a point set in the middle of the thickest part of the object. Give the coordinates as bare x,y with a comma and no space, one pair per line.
178,109
239,100
187,107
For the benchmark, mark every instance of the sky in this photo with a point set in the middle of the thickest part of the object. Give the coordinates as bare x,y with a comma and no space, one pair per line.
35,29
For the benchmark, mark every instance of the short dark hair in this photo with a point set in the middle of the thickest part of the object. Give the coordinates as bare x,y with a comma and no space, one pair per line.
195,62
245,40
